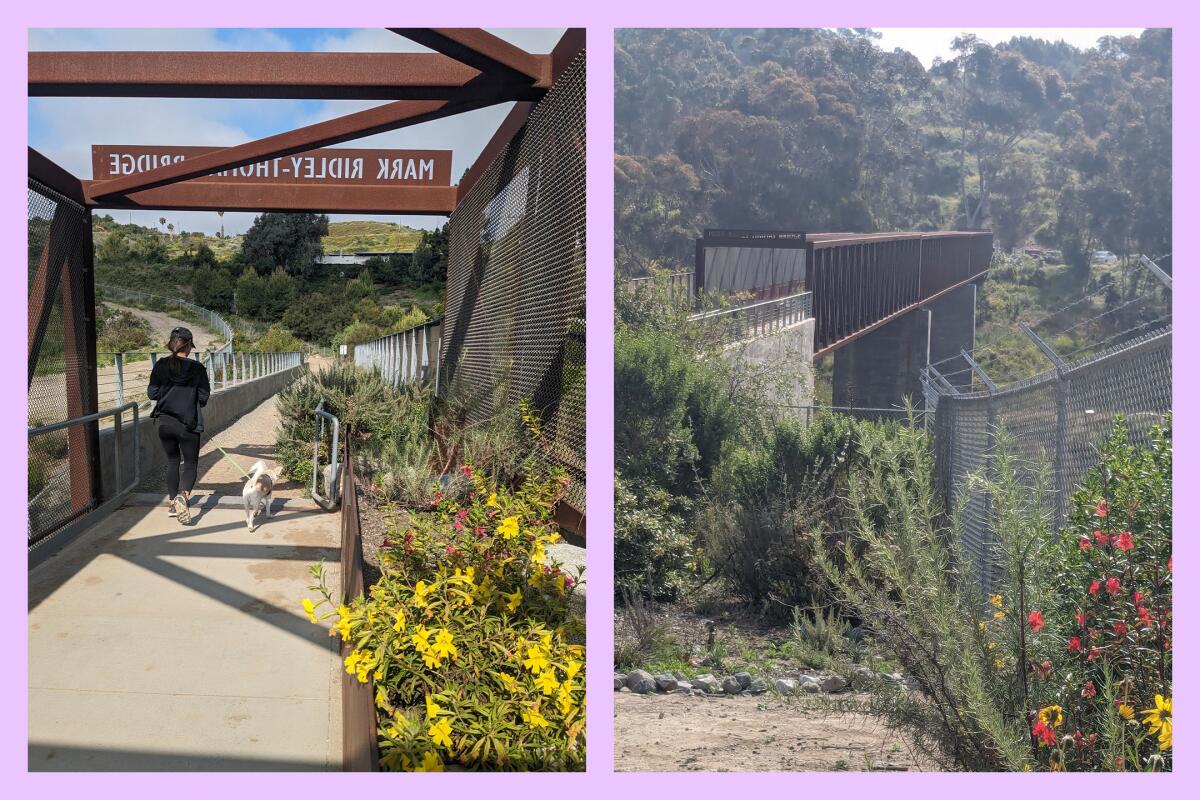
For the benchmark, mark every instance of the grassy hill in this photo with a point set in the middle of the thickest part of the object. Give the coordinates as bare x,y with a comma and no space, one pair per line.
368,236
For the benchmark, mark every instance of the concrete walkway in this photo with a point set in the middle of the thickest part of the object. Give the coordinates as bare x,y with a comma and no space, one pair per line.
158,647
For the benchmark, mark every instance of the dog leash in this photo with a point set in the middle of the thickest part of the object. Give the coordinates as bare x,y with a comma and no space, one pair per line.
231,461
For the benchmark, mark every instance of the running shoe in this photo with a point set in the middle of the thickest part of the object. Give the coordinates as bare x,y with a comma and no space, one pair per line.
182,512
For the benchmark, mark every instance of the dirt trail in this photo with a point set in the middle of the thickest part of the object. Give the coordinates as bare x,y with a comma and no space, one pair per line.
672,733
161,325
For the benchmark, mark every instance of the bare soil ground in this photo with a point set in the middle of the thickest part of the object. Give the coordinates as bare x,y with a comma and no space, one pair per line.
768,733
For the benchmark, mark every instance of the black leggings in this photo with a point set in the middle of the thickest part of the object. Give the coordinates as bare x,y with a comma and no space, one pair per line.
179,444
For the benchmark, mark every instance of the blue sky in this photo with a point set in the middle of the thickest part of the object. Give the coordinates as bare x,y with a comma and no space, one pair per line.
64,129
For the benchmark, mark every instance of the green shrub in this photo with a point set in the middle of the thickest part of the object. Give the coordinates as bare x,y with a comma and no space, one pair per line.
469,637
278,340
653,554
119,331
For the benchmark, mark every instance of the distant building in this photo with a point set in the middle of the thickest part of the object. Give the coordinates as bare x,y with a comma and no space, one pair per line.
342,258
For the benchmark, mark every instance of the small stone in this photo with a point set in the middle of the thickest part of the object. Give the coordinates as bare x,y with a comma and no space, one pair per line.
706,683
731,685
786,686
810,687
666,682
757,686
618,682
743,678
684,686
863,677
641,682
893,678
831,683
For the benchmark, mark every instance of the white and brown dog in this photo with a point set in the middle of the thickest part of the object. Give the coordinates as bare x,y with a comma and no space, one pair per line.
256,495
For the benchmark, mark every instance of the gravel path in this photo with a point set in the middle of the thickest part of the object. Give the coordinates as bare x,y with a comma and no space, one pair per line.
767,733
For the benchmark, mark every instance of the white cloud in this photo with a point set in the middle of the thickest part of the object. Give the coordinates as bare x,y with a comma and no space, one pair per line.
928,43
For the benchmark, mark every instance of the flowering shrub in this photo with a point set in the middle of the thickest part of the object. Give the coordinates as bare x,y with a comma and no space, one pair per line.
1068,665
469,636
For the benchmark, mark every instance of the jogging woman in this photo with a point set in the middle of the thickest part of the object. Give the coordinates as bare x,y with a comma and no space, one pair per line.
179,386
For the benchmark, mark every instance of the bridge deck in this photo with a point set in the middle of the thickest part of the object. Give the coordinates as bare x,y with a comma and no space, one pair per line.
158,647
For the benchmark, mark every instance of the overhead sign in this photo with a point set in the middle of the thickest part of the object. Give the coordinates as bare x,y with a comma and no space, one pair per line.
327,166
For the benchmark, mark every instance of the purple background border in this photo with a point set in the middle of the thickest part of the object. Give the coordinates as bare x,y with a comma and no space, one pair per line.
600,18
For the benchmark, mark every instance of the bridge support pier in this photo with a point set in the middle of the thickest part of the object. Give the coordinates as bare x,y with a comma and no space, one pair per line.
883,367
789,352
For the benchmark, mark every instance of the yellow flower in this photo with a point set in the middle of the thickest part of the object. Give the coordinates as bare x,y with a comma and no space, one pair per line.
1049,713
430,763
509,681
440,732
538,554
996,600
420,639
536,659
546,681
983,627
401,622
443,645
991,645
431,659
999,663
309,609
560,583
381,700
514,600
508,527
565,701
1125,710
432,709
573,668
534,719
999,615
352,660
491,501
1158,720
342,628
419,593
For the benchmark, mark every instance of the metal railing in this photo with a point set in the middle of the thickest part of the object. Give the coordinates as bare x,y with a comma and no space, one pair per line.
759,319
57,501
405,357
153,302
125,379
329,497
678,284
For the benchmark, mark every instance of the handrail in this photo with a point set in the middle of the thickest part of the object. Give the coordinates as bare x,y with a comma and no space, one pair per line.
331,502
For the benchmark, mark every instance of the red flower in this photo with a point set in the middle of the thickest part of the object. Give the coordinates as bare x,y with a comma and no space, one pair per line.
1112,586
1085,543
1095,587
466,470
1044,732
1044,669
1101,537
1124,541
1081,618
1169,560
1120,628
1093,653
462,513
1102,508
1144,616
1137,598
1075,645
1035,621
1089,690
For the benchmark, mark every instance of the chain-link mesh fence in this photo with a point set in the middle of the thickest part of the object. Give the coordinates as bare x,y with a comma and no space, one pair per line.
63,479
1060,416
515,288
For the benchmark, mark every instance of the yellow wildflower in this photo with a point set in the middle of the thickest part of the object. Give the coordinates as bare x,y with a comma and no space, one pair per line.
508,527
538,554
431,659
983,627
430,763
1125,710
573,668
420,639
546,681
342,628
565,701
443,645
1049,713
352,660
560,583
999,663
420,591
381,700
536,660
514,600
534,719
1158,720
439,732
996,600
508,680
309,609
491,501
401,622
999,615
432,709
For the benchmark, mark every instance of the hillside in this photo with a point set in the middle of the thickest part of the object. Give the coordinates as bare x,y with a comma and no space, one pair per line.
368,236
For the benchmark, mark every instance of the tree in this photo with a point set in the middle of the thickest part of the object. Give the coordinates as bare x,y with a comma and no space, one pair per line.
291,242
213,288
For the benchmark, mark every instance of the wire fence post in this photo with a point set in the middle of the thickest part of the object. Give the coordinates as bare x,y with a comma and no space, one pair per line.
120,357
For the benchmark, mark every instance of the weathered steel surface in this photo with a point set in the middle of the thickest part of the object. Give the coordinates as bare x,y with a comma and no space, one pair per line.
485,52
228,196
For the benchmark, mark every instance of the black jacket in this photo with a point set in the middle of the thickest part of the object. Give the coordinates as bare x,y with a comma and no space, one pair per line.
179,387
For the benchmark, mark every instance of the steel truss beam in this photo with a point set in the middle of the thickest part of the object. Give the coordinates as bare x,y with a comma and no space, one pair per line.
278,76
481,50
262,197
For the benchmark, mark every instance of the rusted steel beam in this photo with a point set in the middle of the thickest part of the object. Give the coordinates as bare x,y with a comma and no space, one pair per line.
281,76
79,355
509,128
333,199
52,175
388,117
571,44
47,278
489,54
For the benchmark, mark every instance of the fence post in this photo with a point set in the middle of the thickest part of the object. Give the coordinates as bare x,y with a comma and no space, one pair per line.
1062,392
120,384
153,360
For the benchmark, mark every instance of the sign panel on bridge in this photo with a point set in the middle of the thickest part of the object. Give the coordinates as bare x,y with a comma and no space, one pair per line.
326,166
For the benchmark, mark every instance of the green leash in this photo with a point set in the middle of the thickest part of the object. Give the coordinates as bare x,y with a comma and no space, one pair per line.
231,461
